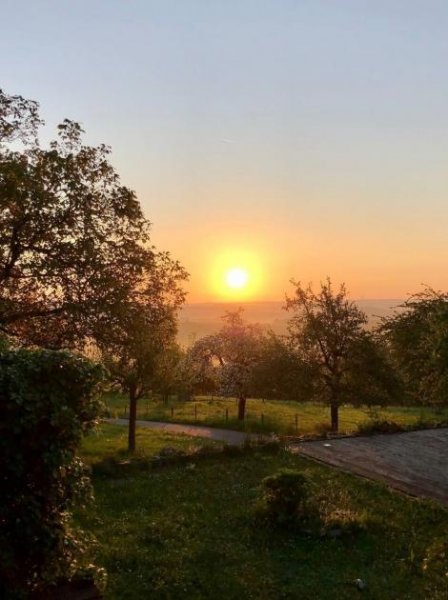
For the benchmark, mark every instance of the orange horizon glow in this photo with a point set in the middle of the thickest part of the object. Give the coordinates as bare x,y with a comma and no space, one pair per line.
310,167
273,253
234,275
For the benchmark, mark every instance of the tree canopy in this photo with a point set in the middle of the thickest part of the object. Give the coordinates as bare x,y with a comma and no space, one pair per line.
74,243
345,361
417,336
235,350
281,373
132,350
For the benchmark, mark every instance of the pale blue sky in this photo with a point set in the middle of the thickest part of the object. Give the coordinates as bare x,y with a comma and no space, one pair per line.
313,134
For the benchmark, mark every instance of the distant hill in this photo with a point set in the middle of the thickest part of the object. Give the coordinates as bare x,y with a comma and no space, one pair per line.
199,319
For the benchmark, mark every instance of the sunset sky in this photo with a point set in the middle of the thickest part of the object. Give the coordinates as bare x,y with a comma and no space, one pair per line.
286,138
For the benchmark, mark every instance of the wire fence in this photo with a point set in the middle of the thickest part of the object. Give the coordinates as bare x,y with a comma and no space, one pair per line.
267,418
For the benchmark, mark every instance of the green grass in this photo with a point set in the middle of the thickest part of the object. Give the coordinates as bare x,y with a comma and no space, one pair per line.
181,532
270,416
112,441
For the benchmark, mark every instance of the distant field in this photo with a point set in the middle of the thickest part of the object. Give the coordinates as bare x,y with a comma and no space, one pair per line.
288,418
199,319
189,531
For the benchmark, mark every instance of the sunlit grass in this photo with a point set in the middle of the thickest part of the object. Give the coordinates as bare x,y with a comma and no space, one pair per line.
182,532
270,416
112,441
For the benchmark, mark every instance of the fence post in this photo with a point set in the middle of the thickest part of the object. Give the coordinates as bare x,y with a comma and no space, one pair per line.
297,424
195,412
262,418
172,411
227,414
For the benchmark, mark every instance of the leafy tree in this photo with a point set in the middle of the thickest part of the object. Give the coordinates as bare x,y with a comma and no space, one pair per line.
235,351
281,373
142,330
417,336
328,333
73,239
371,378
168,372
201,367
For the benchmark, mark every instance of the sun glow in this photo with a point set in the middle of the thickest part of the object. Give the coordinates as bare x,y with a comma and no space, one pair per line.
237,278
236,275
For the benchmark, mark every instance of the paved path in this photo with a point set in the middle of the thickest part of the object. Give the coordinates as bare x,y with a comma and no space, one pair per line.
414,462
233,438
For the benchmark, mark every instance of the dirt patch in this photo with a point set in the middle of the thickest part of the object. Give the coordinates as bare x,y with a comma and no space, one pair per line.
414,462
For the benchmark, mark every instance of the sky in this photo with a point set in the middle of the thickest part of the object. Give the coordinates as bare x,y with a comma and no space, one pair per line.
288,138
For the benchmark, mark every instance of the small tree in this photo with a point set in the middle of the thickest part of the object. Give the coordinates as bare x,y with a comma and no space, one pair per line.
370,377
328,333
136,333
417,338
235,350
168,372
281,373
200,367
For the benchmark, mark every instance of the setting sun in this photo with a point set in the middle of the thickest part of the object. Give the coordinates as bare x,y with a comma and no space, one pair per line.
237,278
235,274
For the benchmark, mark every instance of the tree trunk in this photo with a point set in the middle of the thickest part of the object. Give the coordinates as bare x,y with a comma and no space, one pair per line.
334,416
132,419
241,409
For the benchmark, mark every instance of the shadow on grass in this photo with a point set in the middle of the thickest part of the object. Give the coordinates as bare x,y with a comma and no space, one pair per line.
123,464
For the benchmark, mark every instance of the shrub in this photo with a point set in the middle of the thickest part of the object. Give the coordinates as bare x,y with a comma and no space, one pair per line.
380,426
284,497
47,402
423,423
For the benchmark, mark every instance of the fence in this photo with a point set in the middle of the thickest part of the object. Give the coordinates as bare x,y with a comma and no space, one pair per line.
275,417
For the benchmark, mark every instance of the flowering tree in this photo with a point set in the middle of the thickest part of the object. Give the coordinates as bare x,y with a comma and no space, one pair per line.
234,352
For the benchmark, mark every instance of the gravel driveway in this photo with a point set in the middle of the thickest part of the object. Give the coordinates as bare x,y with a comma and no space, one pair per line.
414,462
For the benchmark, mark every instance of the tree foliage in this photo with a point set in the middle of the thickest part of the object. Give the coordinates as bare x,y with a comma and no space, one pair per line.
47,402
233,353
76,265
417,336
73,240
169,372
281,373
328,332
136,343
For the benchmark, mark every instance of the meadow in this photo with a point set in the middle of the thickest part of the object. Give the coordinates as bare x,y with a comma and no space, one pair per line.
190,531
280,417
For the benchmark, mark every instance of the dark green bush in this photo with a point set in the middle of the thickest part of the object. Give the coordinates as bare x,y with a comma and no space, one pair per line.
380,426
47,402
284,497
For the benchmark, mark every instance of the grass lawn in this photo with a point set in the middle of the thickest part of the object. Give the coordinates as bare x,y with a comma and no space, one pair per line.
112,441
189,532
270,416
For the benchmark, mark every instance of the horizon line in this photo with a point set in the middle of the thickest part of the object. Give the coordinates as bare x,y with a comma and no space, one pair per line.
280,301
